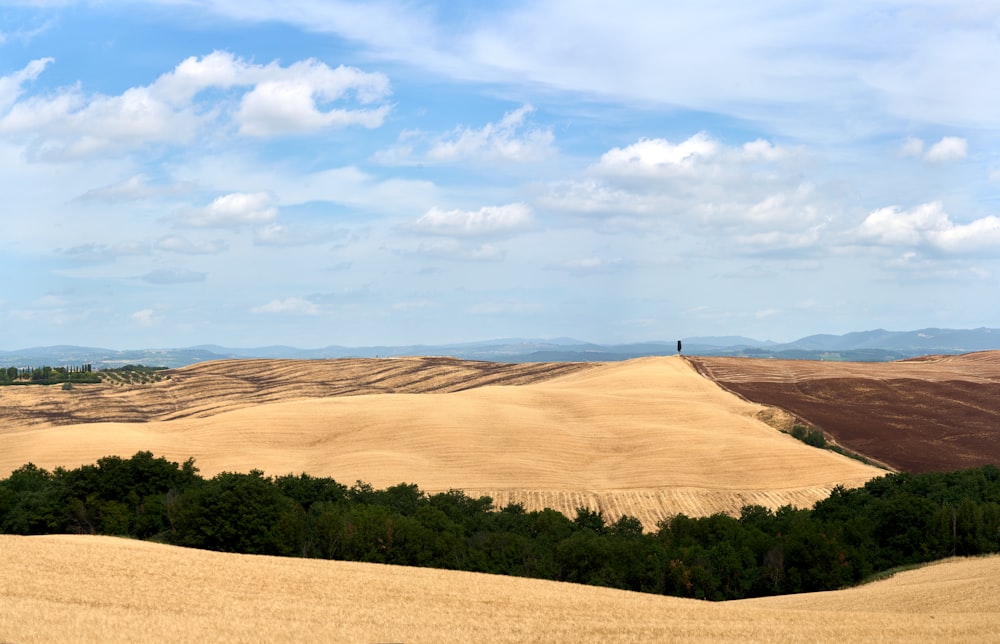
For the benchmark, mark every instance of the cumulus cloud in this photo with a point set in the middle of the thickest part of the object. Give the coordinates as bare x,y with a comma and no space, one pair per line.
231,211
699,154
291,102
509,139
745,194
293,305
305,96
651,155
929,226
172,276
487,221
949,148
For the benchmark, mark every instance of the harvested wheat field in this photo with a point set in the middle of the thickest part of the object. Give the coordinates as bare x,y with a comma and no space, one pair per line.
937,413
648,437
102,589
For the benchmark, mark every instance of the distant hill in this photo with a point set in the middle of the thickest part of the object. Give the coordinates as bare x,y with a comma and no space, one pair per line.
878,345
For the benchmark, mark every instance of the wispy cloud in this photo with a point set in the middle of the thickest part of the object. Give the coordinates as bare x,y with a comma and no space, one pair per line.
185,246
511,139
486,222
289,305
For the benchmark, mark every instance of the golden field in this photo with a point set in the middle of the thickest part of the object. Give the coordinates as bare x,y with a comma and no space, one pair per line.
648,437
103,589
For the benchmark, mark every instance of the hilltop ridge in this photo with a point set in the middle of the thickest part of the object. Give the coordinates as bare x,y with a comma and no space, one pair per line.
876,346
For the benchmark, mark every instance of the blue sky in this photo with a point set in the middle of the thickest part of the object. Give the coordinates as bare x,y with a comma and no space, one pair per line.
248,173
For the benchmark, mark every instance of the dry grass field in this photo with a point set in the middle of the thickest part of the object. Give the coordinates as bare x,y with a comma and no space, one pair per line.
936,413
648,437
102,589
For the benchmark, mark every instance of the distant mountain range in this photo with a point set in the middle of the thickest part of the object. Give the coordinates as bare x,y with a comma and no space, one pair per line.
865,346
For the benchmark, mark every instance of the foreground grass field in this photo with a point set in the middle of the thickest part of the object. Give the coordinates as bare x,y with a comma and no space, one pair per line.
102,589
648,437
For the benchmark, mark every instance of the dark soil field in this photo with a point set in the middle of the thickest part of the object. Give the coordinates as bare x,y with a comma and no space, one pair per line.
935,413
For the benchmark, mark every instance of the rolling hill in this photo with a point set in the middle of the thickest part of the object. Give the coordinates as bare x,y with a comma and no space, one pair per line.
103,589
648,437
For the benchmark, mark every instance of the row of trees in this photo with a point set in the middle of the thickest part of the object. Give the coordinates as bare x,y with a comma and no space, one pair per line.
47,375
127,374
895,520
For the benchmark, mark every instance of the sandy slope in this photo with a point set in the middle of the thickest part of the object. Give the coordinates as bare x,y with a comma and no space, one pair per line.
647,437
90,589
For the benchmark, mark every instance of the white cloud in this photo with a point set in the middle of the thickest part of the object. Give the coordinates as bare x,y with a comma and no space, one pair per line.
184,246
833,69
71,125
280,100
348,185
949,148
978,235
498,140
487,221
750,196
761,150
652,155
231,211
294,305
290,102
144,317
787,209
11,86
509,139
928,225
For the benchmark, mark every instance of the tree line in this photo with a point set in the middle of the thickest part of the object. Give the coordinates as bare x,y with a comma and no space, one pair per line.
895,520
47,375
85,373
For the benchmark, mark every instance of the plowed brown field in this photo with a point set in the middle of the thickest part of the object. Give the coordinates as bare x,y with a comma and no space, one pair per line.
649,437
102,589
936,413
